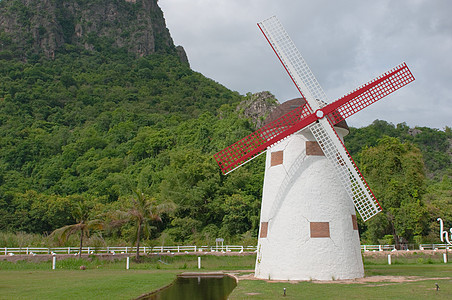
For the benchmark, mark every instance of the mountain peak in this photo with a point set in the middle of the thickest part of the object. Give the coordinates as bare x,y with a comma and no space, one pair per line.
48,26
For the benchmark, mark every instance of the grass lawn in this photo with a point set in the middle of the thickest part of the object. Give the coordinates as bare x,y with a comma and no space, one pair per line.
110,280
308,290
104,279
424,288
77,284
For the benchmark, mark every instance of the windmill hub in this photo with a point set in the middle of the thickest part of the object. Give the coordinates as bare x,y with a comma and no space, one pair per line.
319,113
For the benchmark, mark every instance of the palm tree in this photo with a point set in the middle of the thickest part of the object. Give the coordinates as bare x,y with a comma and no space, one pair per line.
142,211
83,224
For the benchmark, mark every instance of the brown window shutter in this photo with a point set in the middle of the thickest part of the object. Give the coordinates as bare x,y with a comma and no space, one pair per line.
354,222
277,158
264,229
313,148
320,229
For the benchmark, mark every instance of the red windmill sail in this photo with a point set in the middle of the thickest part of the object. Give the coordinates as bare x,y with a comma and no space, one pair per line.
254,144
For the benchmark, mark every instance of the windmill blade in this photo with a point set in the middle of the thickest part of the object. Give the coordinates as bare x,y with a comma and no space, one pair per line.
251,146
254,144
293,62
332,146
351,178
369,93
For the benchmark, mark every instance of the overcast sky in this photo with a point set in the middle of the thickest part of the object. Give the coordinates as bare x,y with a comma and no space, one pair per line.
345,43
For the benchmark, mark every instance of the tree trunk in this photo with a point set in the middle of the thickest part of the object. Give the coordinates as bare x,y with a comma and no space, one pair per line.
395,237
138,242
81,244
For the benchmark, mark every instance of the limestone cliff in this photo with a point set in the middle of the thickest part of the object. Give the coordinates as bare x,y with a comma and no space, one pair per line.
30,27
257,107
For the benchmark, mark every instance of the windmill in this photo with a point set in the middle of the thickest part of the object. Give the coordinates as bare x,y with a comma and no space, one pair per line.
308,226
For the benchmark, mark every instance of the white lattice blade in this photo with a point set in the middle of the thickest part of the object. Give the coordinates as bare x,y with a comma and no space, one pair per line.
293,62
350,177
245,162
356,187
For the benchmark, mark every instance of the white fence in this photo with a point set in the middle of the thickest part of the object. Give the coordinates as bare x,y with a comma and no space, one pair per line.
181,249
125,250
377,247
393,248
435,247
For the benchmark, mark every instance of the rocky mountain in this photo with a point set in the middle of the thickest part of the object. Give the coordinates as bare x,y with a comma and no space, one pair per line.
30,27
256,107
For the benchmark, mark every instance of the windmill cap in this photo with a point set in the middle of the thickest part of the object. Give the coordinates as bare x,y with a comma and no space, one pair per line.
290,105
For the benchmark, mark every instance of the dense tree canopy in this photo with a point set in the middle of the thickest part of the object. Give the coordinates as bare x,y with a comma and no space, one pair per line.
434,144
95,125
395,171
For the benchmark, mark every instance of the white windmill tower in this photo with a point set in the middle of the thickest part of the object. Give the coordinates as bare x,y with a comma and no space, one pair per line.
308,223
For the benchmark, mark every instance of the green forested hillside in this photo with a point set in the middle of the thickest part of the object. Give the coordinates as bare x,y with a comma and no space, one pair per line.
436,145
410,172
98,125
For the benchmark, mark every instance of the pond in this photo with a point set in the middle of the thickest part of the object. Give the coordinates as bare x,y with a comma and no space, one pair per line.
196,286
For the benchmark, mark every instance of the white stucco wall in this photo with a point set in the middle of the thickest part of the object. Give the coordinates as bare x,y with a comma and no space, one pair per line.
305,189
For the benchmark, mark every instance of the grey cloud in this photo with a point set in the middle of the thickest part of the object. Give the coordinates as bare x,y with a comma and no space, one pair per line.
346,43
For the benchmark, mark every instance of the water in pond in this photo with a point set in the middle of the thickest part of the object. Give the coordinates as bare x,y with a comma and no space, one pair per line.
197,287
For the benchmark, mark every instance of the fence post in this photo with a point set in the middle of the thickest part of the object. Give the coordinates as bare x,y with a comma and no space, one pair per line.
445,258
195,248
127,262
178,248
126,249
389,259
6,251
